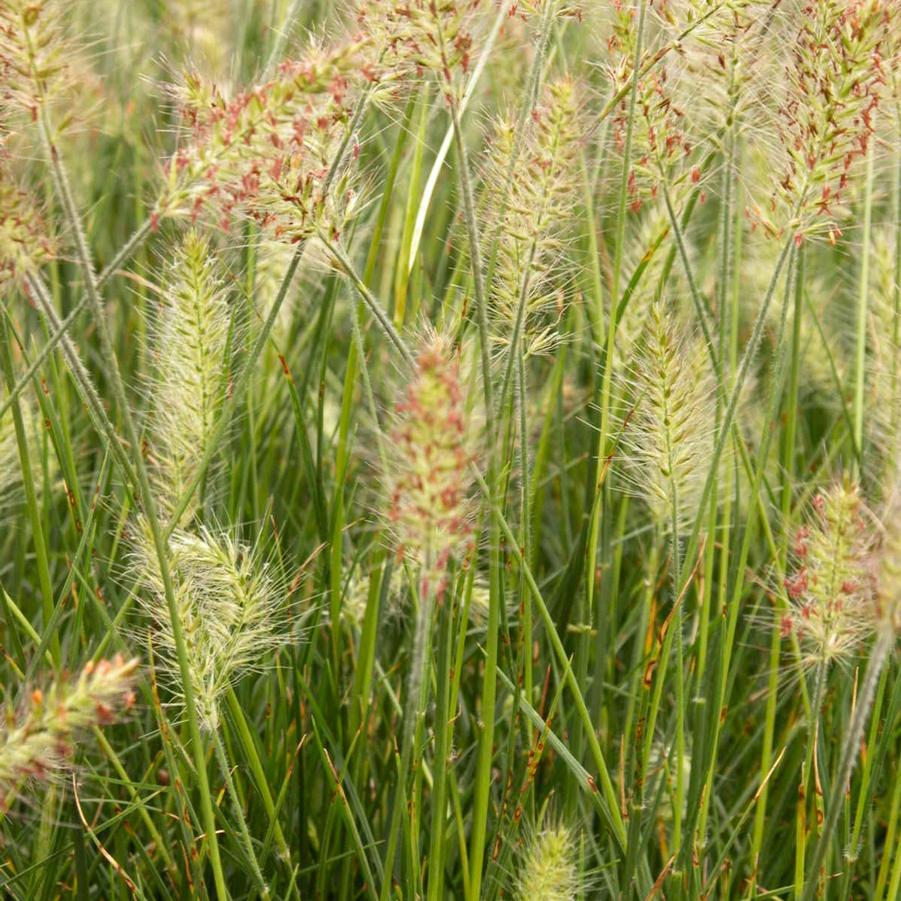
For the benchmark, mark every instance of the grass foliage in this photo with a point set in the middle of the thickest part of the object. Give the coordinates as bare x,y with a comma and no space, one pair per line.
450,449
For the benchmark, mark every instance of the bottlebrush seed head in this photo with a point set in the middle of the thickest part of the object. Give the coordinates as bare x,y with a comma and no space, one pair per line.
831,585
670,420
530,187
664,137
266,152
24,241
190,377
528,8
549,870
430,452
229,604
835,80
33,52
418,36
884,375
37,741
643,256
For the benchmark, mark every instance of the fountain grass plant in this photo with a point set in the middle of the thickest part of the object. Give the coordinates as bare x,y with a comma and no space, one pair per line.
449,449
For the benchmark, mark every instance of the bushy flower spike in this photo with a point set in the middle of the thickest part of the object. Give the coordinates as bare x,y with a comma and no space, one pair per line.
716,72
24,241
884,376
430,451
189,381
664,138
266,152
33,52
526,199
643,251
836,77
421,36
830,587
228,602
549,869
660,140
38,741
670,420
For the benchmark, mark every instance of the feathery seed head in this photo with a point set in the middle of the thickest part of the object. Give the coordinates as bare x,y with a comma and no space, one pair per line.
670,424
549,870
664,138
836,78
33,53
830,588
430,452
419,36
189,381
229,604
884,376
24,242
530,187
265,153
660,141
37,741
643,251
562,9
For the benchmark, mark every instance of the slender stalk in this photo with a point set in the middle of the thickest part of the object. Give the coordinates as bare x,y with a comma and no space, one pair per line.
775,634
60,330
436,891
31,499
475,251
82,379
620,240
885,641
890,842
808,767
414,710
612,801
246,840
374,307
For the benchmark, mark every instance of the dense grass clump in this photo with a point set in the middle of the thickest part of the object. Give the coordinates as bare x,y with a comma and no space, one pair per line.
450,449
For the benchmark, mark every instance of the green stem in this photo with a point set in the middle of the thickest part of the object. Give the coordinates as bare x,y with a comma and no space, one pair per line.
442,750
31,499
885,641
246,840
609,792
813,724
414,709
378,312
